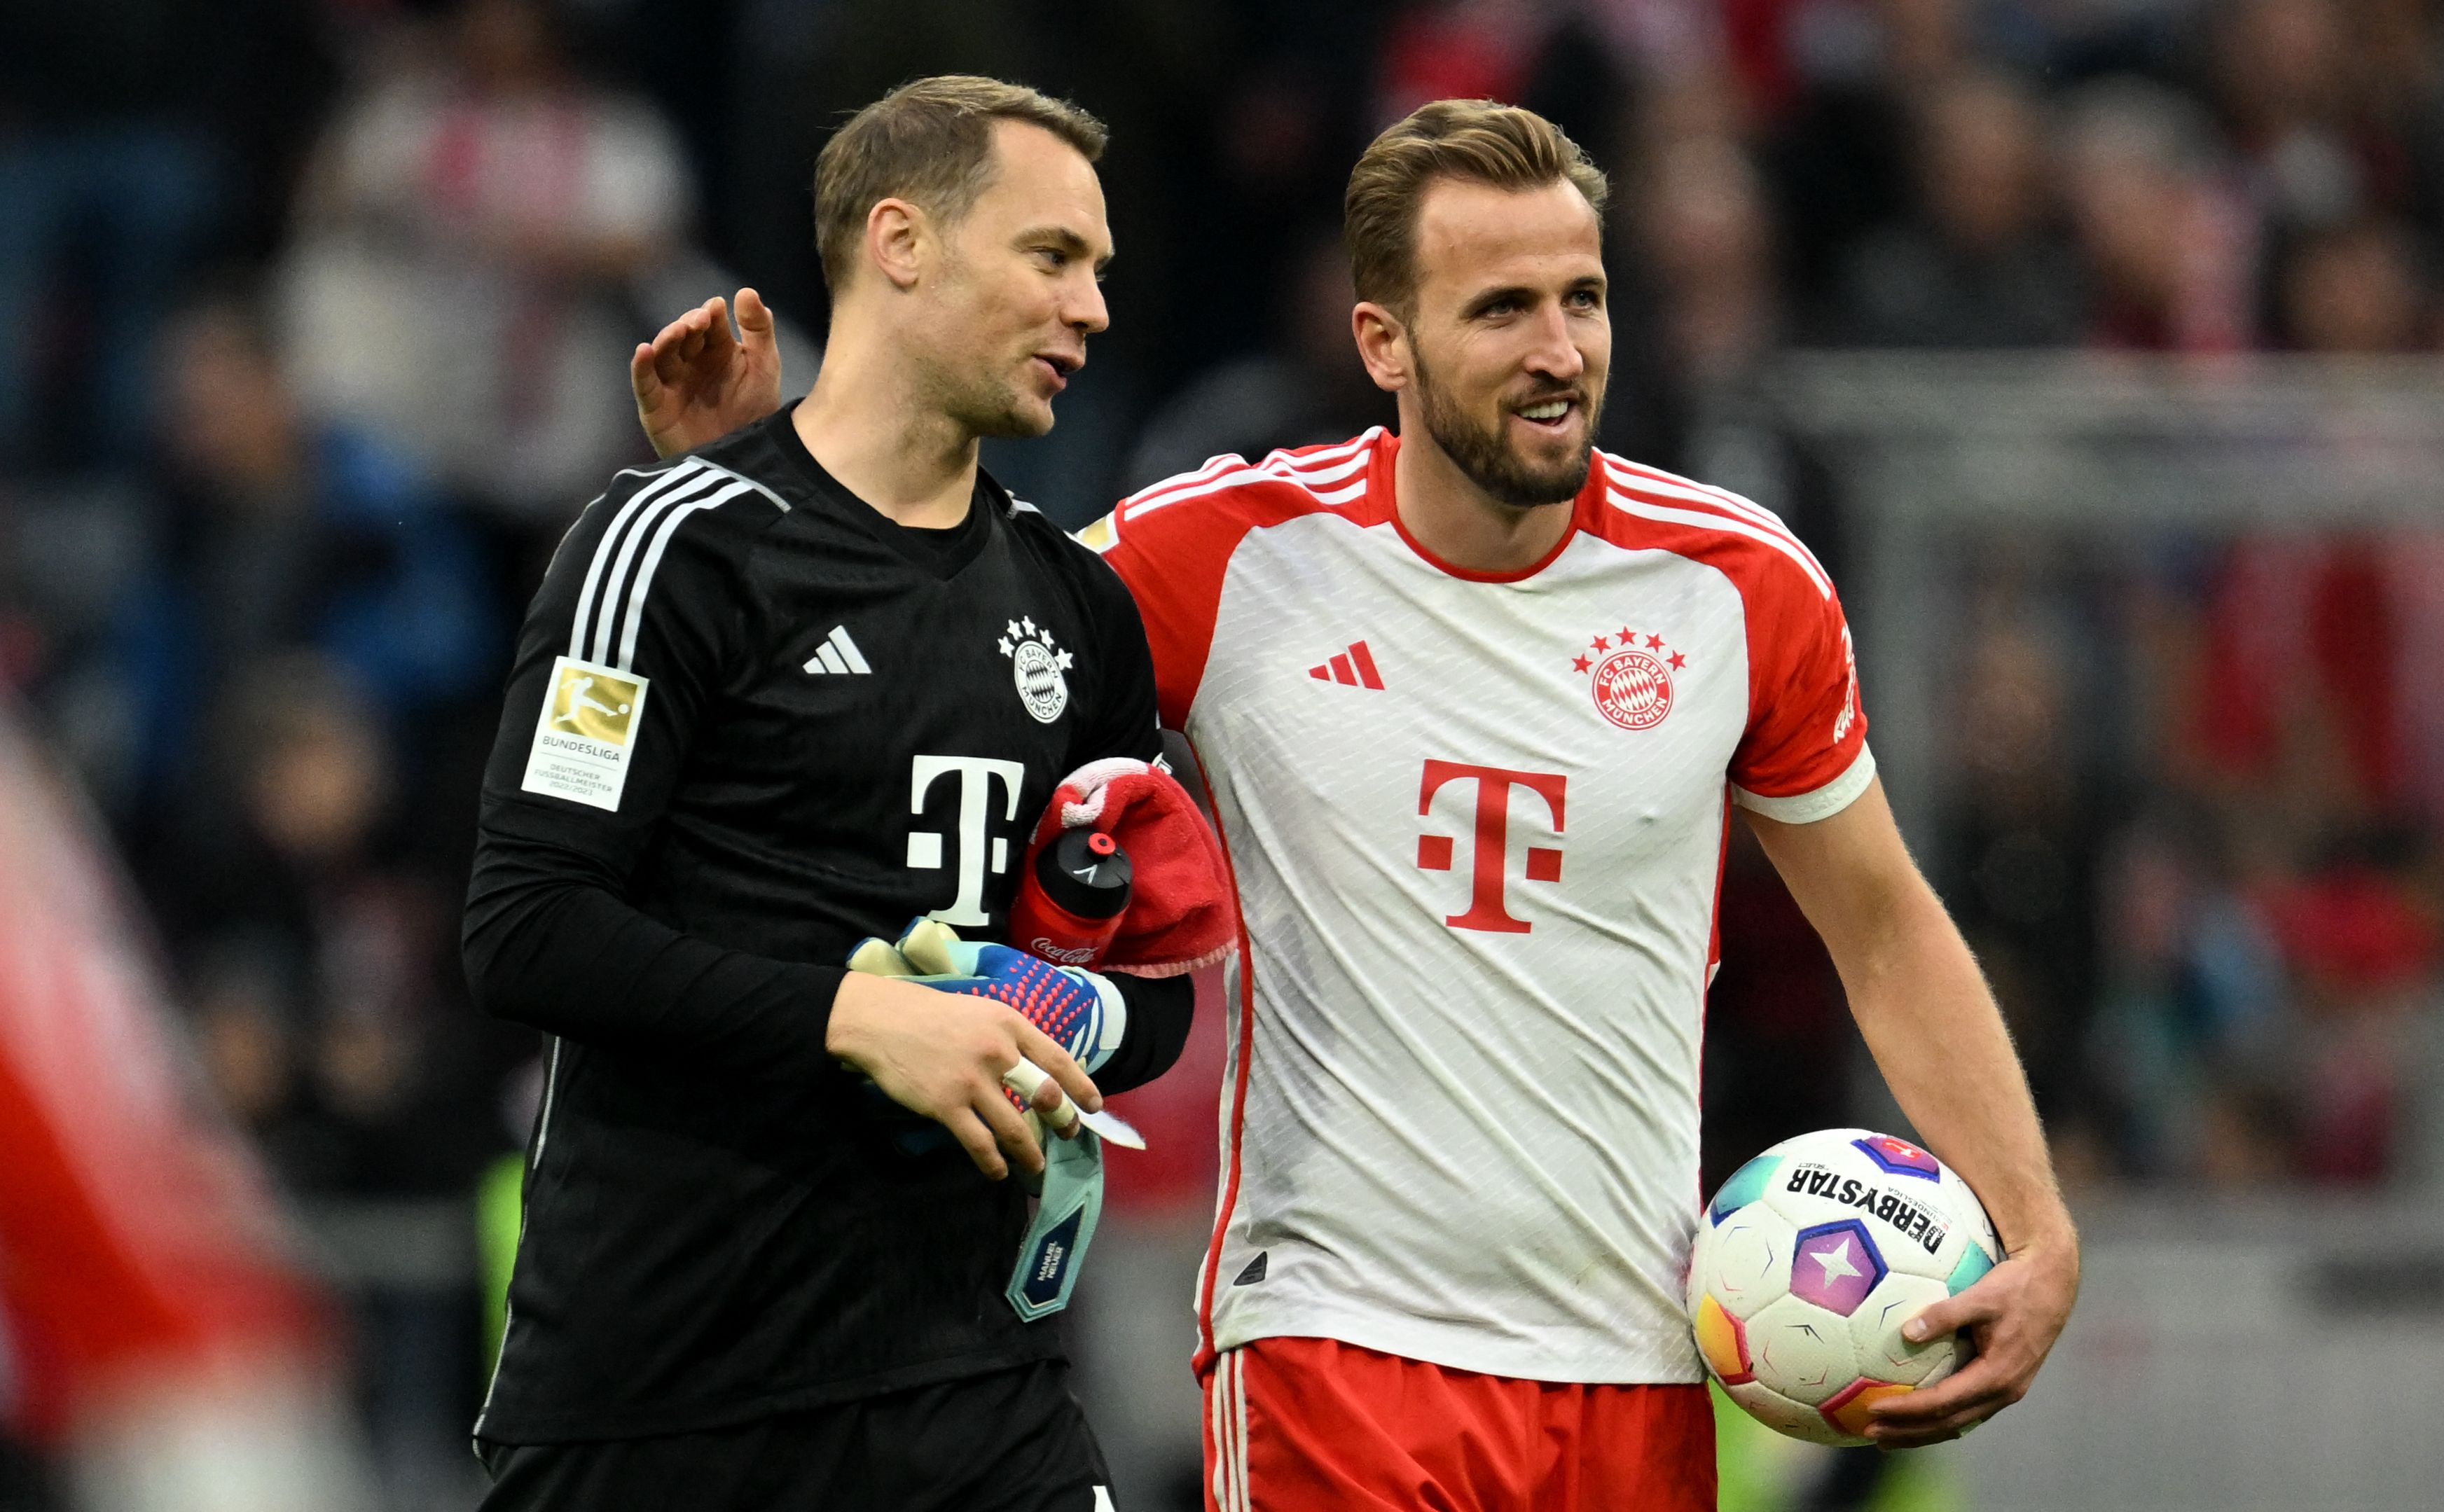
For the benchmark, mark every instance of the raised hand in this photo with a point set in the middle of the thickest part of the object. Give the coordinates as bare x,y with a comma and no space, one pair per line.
694,384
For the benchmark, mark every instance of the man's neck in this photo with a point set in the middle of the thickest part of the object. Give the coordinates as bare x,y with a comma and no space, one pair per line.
870,429
1445,511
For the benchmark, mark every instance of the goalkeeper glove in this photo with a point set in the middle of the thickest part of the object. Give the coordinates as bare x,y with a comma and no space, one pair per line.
1080,1011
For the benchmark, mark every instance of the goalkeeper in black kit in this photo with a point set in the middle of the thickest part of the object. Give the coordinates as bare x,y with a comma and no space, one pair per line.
787,691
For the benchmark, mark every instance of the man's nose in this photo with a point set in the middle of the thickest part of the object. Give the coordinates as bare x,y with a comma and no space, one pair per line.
1085,312
1553,354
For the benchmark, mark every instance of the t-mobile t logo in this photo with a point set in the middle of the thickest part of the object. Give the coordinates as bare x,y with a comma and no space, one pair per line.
1489,864
976,774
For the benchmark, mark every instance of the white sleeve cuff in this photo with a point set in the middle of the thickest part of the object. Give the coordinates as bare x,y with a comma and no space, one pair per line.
1823,802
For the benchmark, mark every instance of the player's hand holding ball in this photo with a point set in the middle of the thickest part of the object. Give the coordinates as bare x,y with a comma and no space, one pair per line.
943,1055
1847,1287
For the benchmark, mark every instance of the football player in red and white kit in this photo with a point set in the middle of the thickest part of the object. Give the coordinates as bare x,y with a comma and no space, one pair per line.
1475,703
157,1336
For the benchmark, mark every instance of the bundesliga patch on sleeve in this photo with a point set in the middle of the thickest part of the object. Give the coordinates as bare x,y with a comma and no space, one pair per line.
583,739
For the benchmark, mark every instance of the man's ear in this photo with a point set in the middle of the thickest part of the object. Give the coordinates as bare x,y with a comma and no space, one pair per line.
897,234
1382,345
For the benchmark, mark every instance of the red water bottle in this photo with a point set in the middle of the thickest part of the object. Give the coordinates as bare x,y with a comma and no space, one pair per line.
1070,901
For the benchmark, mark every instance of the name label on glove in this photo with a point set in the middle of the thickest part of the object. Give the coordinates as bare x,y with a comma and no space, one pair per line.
1056,1243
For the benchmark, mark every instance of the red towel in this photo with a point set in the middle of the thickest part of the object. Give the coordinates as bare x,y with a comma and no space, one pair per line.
1181,914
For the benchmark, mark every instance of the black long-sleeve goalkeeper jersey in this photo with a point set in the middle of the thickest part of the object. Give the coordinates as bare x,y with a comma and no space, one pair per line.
751,722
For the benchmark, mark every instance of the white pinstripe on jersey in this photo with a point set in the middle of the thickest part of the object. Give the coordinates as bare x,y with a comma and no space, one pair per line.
649,518
1738,515
1311,471
676,479
654,559
1227,462
1647,510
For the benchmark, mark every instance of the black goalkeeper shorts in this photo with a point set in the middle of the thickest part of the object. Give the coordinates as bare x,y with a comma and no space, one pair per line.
1012,1441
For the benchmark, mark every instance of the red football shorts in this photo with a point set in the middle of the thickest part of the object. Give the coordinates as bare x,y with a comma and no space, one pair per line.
1314,1424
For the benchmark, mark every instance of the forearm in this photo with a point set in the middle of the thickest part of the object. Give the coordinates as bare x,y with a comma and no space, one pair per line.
1934,1029
1930,1021
571,957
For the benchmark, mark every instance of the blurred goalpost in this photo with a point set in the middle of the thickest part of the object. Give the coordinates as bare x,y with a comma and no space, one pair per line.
2278,1350
1935,450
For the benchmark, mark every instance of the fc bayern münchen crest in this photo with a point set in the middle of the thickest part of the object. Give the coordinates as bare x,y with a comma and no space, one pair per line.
1035,667
1632,684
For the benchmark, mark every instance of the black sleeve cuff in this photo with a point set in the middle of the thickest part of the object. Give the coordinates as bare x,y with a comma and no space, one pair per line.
1160,1010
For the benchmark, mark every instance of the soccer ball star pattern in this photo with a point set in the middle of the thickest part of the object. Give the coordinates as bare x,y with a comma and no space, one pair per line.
1810,1259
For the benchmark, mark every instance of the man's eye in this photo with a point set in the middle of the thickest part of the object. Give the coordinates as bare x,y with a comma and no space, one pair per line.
1053,256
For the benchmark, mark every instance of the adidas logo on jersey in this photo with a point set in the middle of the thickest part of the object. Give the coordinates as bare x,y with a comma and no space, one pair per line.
1354,668
837,656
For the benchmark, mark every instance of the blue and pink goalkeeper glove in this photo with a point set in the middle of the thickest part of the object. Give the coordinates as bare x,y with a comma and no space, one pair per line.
1079,1010
1085,1015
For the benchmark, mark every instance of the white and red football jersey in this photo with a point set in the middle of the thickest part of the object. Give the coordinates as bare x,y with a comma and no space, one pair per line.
1476,822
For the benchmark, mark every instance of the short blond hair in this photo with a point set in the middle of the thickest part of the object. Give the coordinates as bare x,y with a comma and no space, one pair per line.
1475,140
929,142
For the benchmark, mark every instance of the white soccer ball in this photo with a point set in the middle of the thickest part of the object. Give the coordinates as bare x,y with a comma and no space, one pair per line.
1810,1259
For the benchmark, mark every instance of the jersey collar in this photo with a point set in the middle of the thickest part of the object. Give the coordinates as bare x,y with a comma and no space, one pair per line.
1379,493
962,542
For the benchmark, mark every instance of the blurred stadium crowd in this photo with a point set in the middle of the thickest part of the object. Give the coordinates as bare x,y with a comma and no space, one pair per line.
317,313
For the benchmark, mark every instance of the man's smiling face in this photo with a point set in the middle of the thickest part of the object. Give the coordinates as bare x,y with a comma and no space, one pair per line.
1509,336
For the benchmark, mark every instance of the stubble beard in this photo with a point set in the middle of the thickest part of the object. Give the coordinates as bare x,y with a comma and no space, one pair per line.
983,401
976,401
1491,462
993,412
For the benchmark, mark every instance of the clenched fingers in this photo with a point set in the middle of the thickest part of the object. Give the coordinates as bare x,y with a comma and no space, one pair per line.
714,344
666,340
1008,1130
1046,1101
1942,1431
677,346
1055,1062
1980,1304
977,1140
1942,1412
686,344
